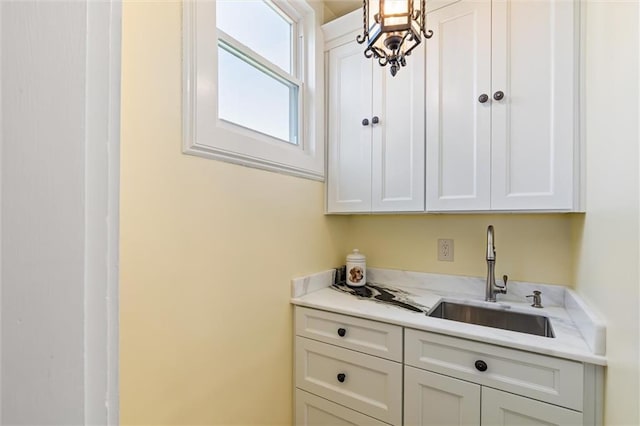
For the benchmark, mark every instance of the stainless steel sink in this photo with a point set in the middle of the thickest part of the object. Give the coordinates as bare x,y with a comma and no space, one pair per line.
504,319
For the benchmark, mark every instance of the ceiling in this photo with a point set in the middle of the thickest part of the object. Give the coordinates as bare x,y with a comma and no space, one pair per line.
342,7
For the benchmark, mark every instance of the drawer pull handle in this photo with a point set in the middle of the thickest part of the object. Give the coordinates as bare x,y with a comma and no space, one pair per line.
342,332
481,365
342,377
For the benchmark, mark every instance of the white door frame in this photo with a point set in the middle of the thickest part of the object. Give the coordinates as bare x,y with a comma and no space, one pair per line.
102,190
96,120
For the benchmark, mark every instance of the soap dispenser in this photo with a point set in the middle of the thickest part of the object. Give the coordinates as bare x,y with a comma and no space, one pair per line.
356,269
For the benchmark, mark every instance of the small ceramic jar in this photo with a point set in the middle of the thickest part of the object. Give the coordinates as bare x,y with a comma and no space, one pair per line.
356,269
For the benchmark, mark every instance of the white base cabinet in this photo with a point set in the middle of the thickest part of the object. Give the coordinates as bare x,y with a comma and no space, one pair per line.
347,370
553,380
353,371
432,399
480,384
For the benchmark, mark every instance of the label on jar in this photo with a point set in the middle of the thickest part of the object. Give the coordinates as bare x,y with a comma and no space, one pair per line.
356,275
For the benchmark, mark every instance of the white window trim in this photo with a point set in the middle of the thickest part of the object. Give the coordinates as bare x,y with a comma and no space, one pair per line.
207,136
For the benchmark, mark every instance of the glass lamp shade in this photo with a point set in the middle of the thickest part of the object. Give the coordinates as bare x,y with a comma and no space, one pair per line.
391,15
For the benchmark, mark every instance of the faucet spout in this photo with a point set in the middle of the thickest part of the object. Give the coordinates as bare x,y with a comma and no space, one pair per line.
491,249
492,288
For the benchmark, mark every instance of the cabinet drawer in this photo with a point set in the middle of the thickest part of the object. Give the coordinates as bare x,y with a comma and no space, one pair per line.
362,382
313,410
371,337
545,378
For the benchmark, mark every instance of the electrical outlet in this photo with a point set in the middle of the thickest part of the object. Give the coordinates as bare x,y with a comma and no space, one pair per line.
445,250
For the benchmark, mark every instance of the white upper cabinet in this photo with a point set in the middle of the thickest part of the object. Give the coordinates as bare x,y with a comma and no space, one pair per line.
487,122
534,58
398,140
501,106
349,160
458,125
376,127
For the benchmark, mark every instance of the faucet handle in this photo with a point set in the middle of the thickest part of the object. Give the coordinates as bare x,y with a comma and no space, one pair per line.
502,288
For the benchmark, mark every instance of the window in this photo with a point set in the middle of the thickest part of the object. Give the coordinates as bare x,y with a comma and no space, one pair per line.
257,84
251,86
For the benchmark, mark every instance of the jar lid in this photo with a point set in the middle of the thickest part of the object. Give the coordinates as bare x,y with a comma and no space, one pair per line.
356,256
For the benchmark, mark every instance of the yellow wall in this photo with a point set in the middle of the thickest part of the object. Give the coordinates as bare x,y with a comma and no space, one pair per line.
193,228
534,248
606,244
208,250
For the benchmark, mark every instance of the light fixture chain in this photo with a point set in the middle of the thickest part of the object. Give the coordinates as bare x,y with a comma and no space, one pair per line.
365,35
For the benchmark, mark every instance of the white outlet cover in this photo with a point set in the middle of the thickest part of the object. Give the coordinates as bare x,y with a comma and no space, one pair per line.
445,250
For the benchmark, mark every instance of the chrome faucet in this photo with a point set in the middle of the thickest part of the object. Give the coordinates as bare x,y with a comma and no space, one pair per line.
492,287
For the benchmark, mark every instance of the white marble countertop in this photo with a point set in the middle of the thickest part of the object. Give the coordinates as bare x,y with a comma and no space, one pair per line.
579,334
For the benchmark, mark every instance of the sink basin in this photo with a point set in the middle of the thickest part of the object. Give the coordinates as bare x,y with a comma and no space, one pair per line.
507,320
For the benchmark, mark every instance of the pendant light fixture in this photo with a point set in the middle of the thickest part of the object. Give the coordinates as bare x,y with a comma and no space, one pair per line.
392,29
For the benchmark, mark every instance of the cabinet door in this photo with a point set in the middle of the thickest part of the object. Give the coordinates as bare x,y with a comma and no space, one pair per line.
434,399
506,409
533,57
398,139
316,411
349,162
458,124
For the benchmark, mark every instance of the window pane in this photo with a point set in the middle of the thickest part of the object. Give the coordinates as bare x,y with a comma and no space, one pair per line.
249,97
259,27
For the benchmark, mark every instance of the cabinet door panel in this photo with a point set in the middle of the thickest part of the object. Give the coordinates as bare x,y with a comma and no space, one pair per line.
316,411
505,409
458,125
533,125
398,140
434,399
349,172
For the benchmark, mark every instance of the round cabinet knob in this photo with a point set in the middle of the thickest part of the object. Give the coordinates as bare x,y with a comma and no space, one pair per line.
342,332
481,365
342,377
498,95
365,122
375,119
483,98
